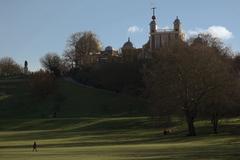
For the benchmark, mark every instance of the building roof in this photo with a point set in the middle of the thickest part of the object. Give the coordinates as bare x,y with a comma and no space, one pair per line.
109,48
128,45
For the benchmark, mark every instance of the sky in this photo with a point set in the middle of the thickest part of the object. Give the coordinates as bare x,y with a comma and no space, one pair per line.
31,28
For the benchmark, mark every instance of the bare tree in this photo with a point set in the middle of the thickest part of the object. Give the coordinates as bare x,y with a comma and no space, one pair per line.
52,62
182,77
9,67
70,51
223,102
69,58
236,63
81,45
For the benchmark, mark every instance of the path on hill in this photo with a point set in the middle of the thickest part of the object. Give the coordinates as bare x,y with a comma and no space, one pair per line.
69,79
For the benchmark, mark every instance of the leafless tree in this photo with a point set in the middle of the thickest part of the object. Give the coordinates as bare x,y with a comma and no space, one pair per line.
52,62
183,77
9,67
80,45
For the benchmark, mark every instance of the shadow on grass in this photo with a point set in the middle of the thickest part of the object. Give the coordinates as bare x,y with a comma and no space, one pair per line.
108,131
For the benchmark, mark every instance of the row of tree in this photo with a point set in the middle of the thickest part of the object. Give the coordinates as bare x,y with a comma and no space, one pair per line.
120,76
199,79
79,46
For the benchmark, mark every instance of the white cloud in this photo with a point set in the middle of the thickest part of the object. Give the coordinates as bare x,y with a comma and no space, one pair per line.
133,29
220,32
166,27
216,31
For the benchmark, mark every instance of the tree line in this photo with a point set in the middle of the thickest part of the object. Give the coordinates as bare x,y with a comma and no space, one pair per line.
198,79
9,67
80,62
195,79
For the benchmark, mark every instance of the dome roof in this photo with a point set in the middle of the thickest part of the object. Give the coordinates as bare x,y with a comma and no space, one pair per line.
128,44
177,20
109,48
153,17
199,40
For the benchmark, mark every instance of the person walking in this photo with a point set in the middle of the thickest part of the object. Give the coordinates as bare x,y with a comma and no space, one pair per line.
34,146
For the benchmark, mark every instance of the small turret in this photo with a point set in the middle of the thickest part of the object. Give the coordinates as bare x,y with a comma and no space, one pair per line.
128,44
177,25
153,25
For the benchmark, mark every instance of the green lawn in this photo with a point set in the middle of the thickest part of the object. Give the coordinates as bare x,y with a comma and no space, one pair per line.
113,133
17,101
115,139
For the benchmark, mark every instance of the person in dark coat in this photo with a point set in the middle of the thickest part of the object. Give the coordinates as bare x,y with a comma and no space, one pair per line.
34,147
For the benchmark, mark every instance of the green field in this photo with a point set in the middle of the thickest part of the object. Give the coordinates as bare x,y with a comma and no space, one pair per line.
95,124
17,101
115,139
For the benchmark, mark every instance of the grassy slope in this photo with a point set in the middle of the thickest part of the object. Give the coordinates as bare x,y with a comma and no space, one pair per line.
100,138
85,101
114,139
17,101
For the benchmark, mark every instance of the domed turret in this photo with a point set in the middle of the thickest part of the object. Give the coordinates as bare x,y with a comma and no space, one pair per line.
108,48
128,45
153,24
153,17
177,21
177,25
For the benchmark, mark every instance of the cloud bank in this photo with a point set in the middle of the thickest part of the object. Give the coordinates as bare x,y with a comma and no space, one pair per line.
134,29
216,31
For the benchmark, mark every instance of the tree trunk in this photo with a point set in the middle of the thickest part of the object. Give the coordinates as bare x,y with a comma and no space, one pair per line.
215,123
190,122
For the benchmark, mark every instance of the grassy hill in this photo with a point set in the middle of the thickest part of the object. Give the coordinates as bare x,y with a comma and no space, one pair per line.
125,138
17,101
94,124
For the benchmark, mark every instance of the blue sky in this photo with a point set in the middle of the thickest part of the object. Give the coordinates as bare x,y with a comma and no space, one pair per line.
31,28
